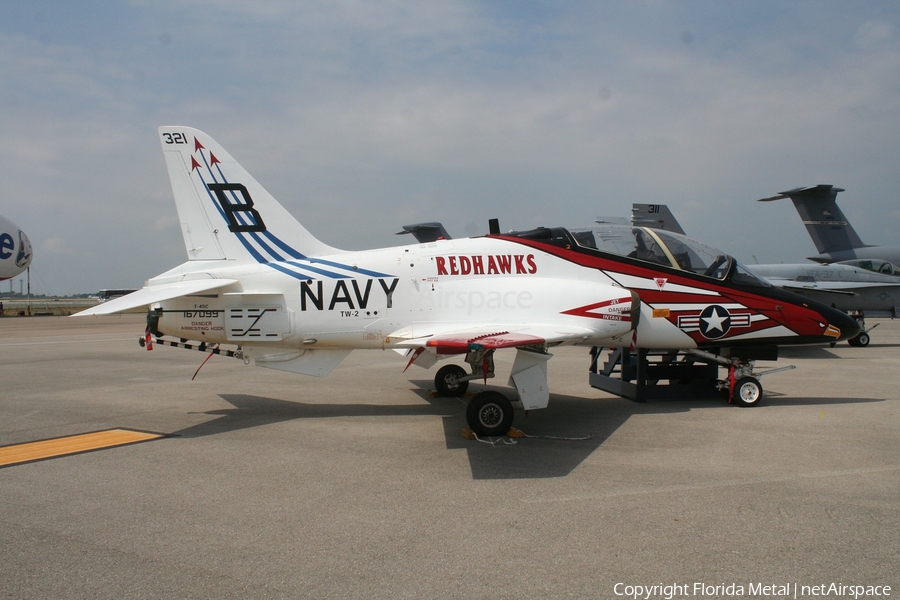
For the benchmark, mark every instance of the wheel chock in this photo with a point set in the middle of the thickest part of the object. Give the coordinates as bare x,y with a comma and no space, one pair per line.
513,433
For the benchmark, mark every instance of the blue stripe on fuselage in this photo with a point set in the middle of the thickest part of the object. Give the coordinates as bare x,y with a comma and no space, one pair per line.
284,268
351,268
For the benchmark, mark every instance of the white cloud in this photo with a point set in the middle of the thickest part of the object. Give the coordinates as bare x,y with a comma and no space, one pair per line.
55,246
871,33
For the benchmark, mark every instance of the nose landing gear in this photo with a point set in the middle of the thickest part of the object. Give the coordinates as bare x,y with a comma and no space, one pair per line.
747,391
689,373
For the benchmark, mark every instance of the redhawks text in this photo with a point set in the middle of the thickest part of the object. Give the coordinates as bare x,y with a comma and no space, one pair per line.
498,264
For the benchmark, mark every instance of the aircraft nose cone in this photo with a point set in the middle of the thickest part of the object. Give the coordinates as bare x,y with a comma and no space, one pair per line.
839,325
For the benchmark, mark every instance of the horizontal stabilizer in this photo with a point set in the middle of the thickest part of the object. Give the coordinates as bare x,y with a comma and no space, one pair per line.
156,293
426,233
816,192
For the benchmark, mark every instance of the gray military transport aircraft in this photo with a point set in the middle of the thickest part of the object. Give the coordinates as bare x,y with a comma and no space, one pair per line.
831,232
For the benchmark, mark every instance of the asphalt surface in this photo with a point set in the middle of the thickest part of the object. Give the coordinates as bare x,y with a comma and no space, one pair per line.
360,484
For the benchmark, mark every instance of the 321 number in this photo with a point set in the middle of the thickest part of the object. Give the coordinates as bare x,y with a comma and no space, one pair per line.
174,138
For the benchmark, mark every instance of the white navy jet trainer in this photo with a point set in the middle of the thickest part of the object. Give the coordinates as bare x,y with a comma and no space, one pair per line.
256,279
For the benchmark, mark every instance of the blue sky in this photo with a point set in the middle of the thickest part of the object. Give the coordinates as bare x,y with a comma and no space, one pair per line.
363,116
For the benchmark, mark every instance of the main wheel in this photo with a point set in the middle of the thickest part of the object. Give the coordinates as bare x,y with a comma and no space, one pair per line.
747,391
489,413
449,381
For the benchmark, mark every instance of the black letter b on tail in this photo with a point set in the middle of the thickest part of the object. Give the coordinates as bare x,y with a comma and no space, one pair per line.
238,207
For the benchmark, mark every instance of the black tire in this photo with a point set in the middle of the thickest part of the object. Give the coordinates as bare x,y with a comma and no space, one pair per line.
747,392
489,413
447,381
862,340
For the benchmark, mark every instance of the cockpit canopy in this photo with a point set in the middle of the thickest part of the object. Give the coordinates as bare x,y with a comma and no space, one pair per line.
873,264
654,246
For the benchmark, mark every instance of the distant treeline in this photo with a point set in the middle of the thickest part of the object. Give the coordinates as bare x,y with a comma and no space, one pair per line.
17,296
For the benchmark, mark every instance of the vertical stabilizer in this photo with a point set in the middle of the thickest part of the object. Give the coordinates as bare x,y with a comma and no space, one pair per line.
655,216
224,212
827,226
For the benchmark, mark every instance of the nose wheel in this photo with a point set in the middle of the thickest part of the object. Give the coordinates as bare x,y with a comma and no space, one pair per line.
747,392
860,341
742,385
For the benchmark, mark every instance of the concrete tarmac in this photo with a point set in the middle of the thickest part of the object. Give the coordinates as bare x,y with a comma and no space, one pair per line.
360,485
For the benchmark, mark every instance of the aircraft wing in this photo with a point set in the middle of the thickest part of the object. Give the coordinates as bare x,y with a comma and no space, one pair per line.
463,340
155,293
811,288
834,287
460,344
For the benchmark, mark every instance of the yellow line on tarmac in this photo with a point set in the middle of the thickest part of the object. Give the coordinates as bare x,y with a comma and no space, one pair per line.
72,444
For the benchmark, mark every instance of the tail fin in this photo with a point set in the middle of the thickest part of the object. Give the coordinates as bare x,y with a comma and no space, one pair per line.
827,226
224,212
655,216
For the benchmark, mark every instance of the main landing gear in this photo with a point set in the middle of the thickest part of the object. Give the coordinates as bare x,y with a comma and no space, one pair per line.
451,381
490,413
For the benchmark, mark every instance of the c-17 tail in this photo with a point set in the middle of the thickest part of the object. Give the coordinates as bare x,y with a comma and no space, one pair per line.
829,229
